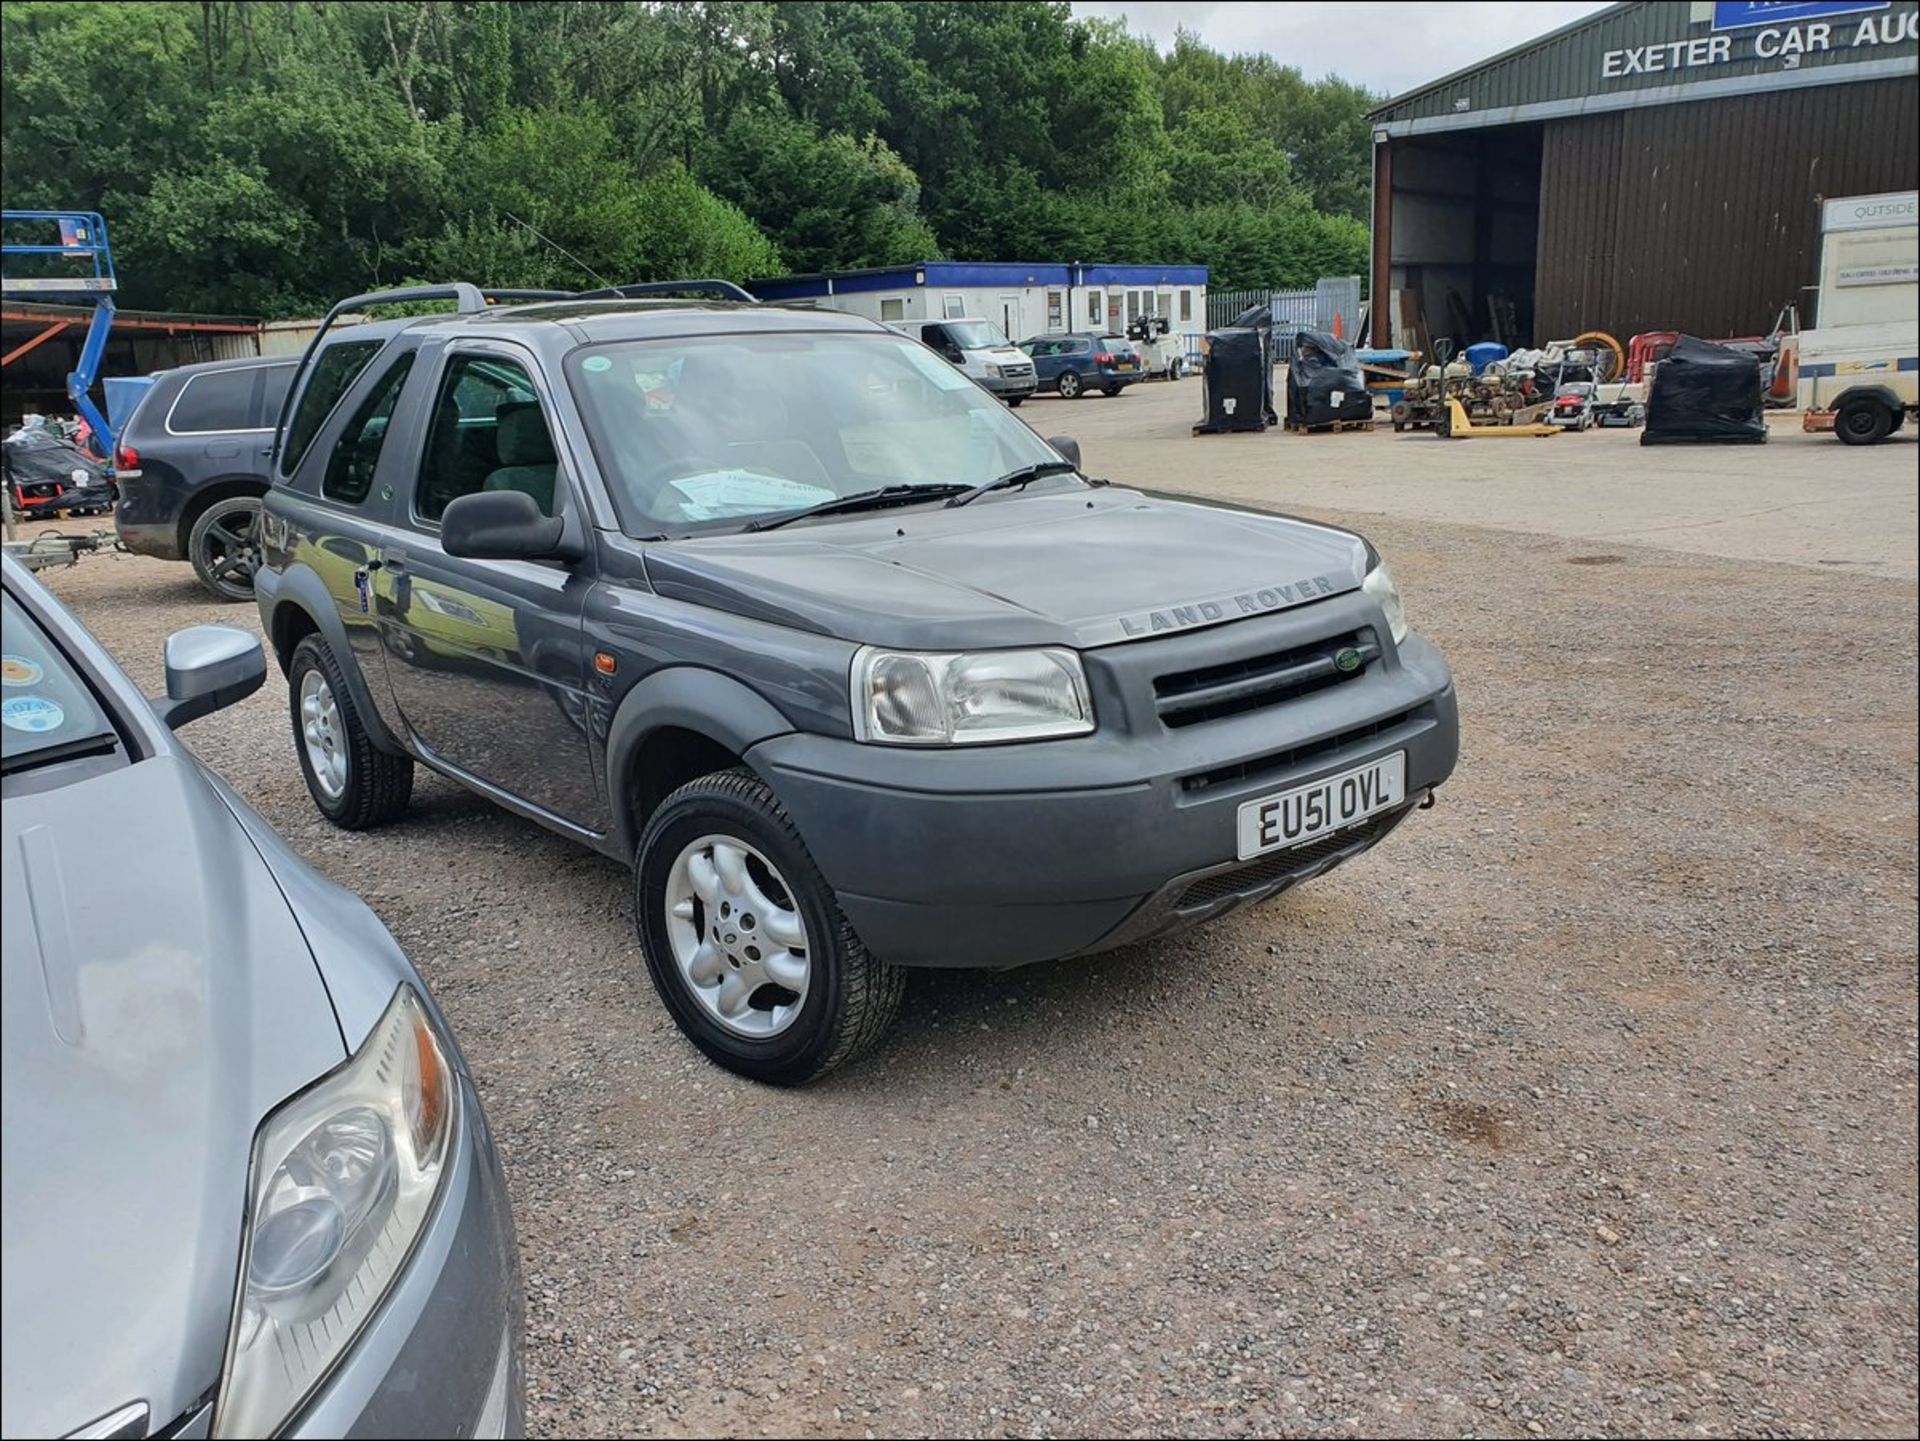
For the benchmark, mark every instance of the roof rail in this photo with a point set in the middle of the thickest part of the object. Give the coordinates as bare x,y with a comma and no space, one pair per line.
724,289
494,297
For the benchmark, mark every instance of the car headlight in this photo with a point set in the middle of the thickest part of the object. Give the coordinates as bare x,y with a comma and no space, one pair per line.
343,1179
921,698
1379,584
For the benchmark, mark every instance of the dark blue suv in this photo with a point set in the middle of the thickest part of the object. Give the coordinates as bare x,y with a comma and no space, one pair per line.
1073,364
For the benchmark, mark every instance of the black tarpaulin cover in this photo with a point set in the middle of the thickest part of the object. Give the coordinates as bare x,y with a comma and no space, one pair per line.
35,456
1324,382
1705,392
1238,393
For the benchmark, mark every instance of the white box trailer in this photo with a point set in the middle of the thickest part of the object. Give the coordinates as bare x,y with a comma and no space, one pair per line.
1858,369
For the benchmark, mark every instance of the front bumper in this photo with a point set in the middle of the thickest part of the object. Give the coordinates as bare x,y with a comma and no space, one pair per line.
1010,387
1002,856
443,1355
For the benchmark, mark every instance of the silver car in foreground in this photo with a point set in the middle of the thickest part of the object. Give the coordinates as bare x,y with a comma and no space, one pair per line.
248,1189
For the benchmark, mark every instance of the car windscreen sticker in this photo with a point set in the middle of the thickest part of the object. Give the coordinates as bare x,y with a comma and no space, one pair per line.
34,714
743,492
19,670
939,371
596,363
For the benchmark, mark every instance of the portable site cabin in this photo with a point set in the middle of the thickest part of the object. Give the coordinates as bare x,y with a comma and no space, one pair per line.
1023,300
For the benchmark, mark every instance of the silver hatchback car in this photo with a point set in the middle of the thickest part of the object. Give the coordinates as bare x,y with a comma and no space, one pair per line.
248,1188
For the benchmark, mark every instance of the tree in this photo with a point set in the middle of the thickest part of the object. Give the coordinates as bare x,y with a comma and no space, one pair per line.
254,157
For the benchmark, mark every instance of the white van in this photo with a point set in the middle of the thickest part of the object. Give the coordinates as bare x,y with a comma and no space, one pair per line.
982,352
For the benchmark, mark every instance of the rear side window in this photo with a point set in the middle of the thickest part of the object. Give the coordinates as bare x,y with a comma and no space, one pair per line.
333,375
273,394
357,453
215,400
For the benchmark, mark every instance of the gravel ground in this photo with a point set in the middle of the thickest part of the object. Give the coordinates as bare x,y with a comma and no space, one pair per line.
1586,1104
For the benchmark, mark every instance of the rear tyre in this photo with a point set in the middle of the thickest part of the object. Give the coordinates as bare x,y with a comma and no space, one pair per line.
1070,387
354,783
1863,422
224,548
1110,389
1174,368
745,942
1013,401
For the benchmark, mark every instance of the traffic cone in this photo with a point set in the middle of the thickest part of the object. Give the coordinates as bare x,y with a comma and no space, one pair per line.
1339,333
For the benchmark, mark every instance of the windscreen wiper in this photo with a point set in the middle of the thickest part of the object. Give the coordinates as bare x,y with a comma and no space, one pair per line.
1014,477
99,743
861,500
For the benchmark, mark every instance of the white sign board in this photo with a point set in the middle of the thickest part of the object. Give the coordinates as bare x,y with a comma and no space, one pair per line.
1871,212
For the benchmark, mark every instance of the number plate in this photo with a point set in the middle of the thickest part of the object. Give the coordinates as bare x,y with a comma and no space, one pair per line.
1305,813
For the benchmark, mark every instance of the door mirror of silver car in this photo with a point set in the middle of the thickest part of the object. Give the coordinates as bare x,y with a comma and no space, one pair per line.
209,667
502,525
1067,446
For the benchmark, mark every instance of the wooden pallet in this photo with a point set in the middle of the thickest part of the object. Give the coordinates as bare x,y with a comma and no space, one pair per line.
1329,425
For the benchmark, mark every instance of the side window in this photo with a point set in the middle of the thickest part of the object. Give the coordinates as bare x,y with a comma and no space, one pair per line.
216,400
487,433
1186,305
1080,347
893,310
273,394
356,455
333,373
934,335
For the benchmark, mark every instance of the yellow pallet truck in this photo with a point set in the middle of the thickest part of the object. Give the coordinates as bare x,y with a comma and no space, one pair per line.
1453,422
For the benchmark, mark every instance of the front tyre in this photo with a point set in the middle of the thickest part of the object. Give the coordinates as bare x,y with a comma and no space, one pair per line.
745,941
353,782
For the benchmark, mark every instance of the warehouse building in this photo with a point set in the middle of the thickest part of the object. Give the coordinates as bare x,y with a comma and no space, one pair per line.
1023,300
1654,166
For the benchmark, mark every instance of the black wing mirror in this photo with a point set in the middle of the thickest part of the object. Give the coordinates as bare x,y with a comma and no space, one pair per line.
502,525
1067,446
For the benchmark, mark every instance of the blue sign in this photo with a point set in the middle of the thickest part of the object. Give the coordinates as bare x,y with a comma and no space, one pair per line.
1740,14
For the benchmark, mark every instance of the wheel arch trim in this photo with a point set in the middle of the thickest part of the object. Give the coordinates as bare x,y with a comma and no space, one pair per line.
684,697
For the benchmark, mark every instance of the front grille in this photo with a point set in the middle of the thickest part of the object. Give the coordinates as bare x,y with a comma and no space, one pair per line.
1258,875
1260,765
1015,371
1214,692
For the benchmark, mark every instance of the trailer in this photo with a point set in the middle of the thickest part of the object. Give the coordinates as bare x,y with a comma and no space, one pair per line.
1857,371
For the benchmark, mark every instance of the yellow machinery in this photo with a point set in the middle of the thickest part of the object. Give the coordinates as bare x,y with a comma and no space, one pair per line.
1454,424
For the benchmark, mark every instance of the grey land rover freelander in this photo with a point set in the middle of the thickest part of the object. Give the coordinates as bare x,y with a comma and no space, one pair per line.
853,669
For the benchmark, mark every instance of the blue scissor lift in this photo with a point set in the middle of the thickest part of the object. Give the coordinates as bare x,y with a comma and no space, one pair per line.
78,235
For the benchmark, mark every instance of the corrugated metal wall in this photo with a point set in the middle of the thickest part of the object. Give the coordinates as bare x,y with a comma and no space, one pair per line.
1704,217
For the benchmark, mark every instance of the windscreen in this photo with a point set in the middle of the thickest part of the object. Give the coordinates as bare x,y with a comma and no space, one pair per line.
976,334
46,711
711,432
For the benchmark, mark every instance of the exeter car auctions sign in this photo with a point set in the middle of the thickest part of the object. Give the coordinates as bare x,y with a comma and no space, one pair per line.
1762,31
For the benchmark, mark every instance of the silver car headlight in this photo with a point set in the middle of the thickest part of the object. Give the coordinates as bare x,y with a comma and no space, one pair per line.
1379,584
343,1180
965,698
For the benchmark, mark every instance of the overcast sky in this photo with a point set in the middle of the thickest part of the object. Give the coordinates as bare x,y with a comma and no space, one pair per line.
1386,47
